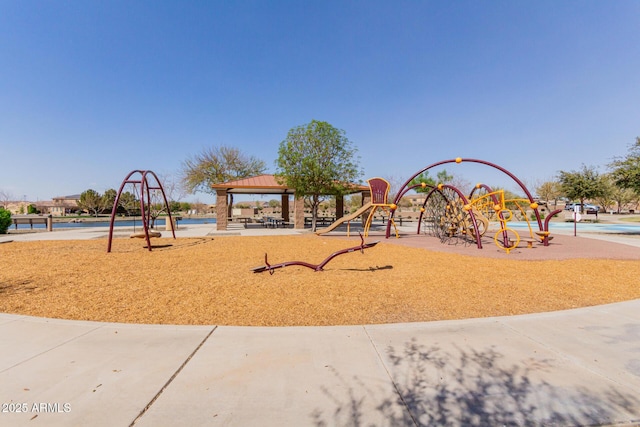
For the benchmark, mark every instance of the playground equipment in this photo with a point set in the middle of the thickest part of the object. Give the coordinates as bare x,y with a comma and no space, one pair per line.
348,218
379,192
454,218
379,189
316,267
143,192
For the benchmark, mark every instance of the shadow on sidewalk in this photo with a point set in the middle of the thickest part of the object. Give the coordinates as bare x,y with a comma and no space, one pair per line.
471,388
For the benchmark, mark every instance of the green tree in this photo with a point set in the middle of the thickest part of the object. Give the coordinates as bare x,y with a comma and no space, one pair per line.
623,197
5,220
317,159
217,165
582,185
274,203
550,191
107,199
442,178
129,203
31,209
611,192
91,201
354,202
175,206
423,178
626,170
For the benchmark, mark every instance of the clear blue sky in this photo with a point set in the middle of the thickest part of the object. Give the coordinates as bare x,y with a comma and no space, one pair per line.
90,90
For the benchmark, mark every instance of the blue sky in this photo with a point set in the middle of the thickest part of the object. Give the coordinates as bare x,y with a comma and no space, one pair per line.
90,90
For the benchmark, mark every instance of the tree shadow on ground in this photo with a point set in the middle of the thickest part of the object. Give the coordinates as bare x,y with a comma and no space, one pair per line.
20,286
468,387
376,268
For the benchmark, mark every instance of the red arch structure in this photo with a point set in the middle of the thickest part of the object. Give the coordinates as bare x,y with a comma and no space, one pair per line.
406,187
145,202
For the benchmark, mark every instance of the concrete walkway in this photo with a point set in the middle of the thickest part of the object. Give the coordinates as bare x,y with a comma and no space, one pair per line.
576,367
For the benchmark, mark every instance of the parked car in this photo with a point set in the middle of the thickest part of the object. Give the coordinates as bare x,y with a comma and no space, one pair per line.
588,208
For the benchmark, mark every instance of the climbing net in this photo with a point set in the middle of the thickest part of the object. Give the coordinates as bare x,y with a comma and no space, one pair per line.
445,217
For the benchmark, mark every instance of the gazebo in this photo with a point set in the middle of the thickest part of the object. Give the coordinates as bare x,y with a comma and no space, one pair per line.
267,184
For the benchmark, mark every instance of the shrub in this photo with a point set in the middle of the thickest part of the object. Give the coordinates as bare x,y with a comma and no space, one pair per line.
533,216
5,220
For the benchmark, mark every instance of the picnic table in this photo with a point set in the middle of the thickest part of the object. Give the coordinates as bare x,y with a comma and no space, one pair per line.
274,222
321,220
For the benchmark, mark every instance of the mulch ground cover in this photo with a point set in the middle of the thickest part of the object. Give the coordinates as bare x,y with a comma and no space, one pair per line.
208,281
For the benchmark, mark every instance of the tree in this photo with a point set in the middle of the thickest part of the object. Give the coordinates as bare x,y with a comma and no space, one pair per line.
581,185
217,165
442,178
420,179
129,202
317,159
173,188
5,196
107,199
354,202
91,201
623,197
32,209
273,203
549,190
5,220
626,170
608,196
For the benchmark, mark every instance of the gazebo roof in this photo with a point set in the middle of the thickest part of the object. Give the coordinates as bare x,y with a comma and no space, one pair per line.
261,184
264,184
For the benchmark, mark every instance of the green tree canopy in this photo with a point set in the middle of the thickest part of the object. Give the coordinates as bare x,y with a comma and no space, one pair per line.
91,201
317,159
5,220
443,178
582,185
626,170
550,191
108,198
129,202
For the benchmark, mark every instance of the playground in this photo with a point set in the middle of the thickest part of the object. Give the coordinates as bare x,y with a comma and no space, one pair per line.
455,218
469,264
209,281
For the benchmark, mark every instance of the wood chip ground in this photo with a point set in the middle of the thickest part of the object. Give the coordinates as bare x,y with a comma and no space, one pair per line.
208,281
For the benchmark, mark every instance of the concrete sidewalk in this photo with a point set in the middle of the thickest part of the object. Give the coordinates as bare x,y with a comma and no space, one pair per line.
190,230
576,367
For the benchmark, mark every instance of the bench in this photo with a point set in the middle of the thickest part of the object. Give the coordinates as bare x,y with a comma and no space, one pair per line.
568,217
529,241
33,219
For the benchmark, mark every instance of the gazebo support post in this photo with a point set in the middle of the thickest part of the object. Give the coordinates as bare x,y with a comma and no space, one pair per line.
339,206
221,210
285,207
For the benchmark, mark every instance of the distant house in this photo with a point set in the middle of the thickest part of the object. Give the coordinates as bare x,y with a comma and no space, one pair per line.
17,207
60,206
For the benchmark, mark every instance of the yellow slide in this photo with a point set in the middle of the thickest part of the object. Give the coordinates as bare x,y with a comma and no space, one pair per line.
344,219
